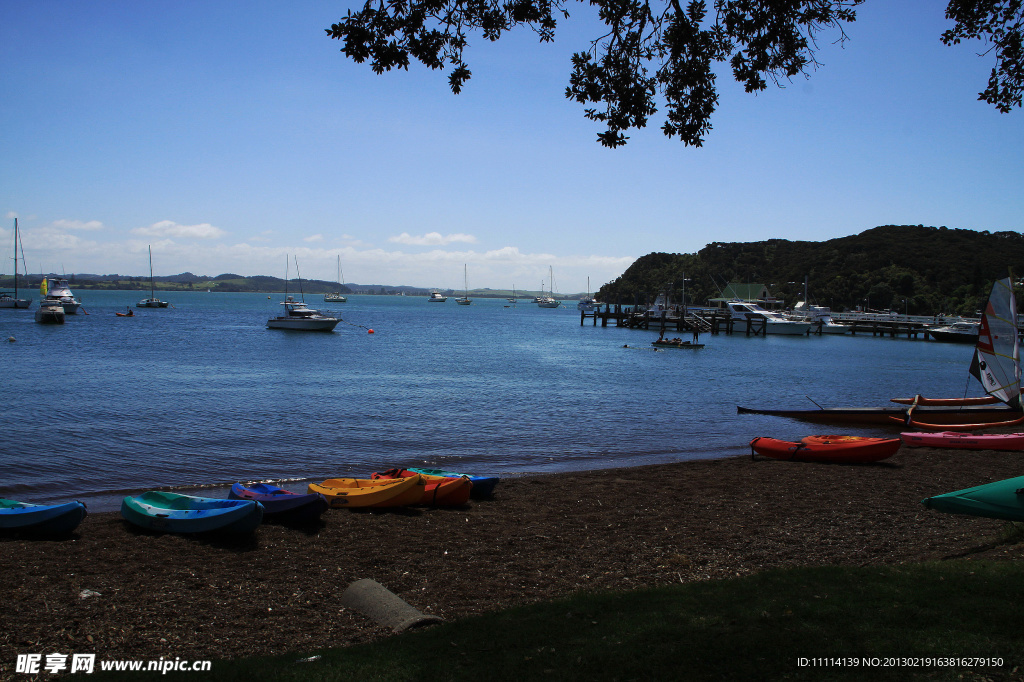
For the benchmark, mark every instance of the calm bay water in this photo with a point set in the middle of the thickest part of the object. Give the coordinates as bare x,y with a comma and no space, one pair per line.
202,394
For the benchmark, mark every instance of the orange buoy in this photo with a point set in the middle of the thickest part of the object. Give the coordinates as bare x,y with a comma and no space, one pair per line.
369,331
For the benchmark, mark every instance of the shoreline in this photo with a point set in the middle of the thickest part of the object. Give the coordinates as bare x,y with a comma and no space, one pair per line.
541,537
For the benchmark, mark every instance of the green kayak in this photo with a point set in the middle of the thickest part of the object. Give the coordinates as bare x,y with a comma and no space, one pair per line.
999,500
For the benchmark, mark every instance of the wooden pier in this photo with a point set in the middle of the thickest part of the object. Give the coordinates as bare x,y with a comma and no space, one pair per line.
717,321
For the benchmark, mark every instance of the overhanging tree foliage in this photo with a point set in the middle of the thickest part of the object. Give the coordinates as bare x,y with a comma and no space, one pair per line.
660,50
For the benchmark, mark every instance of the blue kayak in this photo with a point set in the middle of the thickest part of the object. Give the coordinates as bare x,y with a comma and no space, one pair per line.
40,518
483,486
174,513
280,504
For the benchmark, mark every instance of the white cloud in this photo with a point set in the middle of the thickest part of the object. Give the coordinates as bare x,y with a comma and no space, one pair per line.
77,225
432,239
314,238
169,228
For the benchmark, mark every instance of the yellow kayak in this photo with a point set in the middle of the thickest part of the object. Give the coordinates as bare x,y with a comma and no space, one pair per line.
361,492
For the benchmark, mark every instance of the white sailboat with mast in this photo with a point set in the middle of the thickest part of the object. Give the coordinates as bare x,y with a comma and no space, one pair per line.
995,364
549,300
152,301
297,316
7,300
465,300
337,296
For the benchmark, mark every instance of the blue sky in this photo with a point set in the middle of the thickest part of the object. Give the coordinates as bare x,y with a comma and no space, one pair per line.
228,134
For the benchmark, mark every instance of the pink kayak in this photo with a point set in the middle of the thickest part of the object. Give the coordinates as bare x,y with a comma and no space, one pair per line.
964,441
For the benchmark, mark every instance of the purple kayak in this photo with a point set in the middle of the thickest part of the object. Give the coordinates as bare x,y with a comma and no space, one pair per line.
280,504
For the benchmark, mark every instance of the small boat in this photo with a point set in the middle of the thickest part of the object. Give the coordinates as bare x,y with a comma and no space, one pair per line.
958,332
336,296
833,449
280,504
999,500
40,518
436,297
130,313
360,492
483,486
152,301
7,299
174,513
964,441
946,415
439,491
51,313
675,343
58,292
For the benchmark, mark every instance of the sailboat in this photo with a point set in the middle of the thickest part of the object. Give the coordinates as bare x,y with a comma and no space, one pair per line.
152,301
336,297
548,301
297,316
465,300
8,300
587,303
995,364
512,298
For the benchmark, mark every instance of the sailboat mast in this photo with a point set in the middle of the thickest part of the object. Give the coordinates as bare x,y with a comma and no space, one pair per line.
152,283
15,260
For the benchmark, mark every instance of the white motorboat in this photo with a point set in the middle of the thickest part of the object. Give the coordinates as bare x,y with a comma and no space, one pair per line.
742,311
7,299
818,316
958,332
436,297
50,313
299,317
58,291
152,301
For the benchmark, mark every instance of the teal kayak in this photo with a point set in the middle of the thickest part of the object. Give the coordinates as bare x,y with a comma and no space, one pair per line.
40,518
483,486
999,500
174,513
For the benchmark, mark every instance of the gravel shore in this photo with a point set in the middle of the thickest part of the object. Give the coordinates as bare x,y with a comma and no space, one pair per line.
539,538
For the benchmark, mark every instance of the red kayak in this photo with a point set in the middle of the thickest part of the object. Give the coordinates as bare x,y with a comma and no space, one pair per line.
440,491
836,449
964,441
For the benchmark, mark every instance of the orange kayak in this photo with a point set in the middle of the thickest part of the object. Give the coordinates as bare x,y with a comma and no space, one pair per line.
360,492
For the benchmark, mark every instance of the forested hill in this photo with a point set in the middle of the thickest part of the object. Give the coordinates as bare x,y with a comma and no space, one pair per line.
922,270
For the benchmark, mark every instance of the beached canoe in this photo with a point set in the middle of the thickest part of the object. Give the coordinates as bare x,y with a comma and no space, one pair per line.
361,492
483,486
964,441
280,504
897,416
40,518
834,449
999,500
174,513
439,491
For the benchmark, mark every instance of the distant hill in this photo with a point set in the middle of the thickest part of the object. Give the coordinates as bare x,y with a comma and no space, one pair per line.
911,268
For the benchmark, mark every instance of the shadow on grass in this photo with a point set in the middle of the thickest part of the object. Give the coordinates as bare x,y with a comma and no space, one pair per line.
840,622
